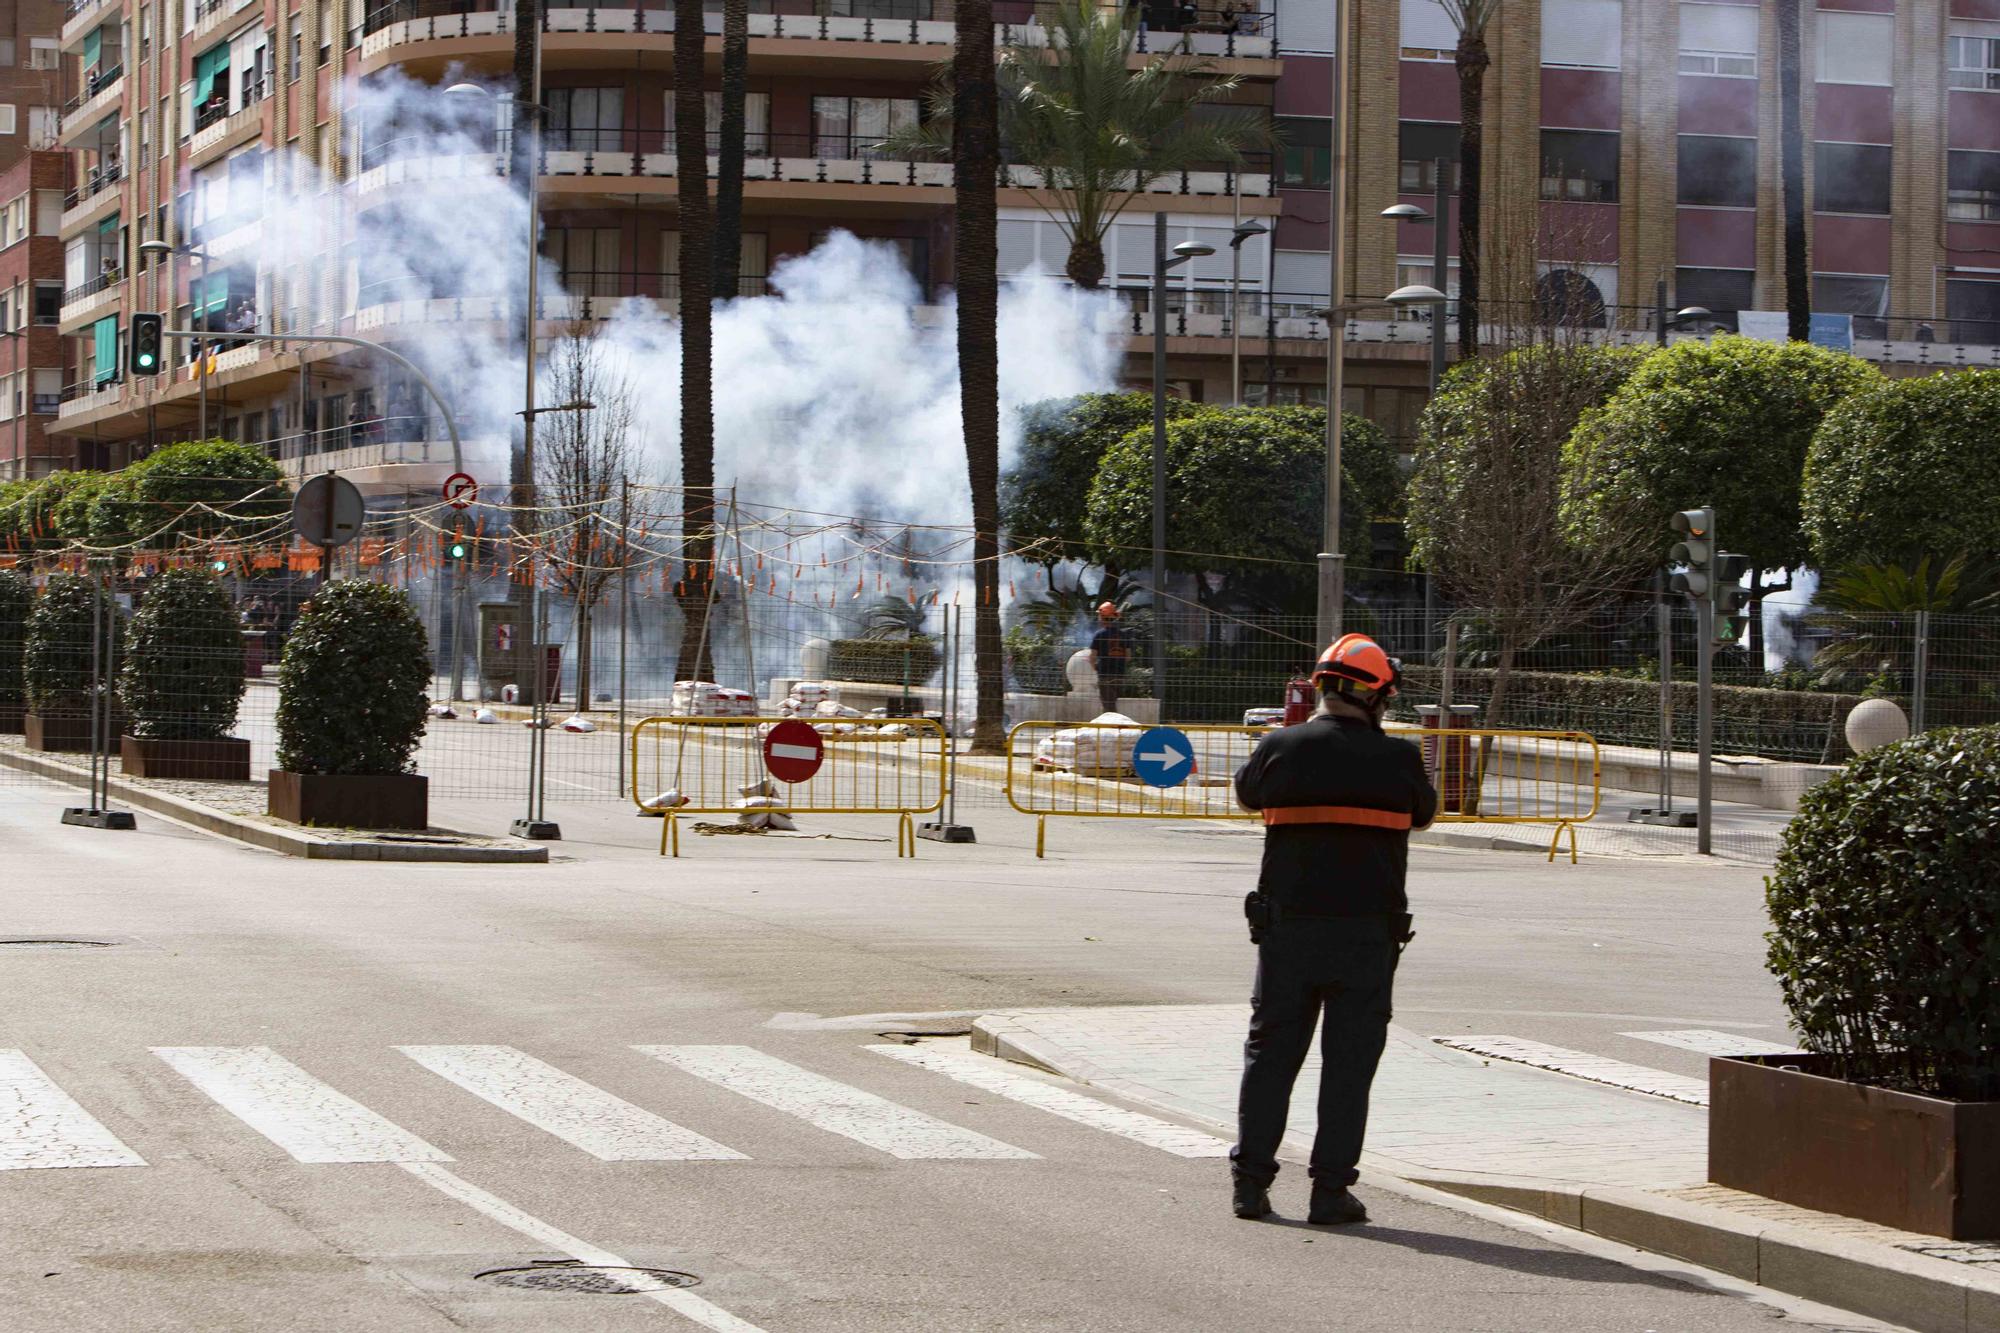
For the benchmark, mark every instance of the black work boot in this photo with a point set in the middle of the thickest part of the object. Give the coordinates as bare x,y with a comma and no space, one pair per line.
1333,1206
1253,1199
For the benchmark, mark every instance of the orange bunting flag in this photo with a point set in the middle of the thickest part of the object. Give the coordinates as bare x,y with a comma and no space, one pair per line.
913,594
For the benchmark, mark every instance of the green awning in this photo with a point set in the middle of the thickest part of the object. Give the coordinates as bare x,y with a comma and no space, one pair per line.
106,333
93,47
207,67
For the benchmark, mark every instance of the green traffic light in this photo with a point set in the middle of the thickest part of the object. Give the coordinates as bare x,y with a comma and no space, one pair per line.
145,360
221,565
458,550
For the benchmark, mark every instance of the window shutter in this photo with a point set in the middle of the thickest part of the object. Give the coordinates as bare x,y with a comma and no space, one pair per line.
1856,48
1730,29
1585,33
1426,26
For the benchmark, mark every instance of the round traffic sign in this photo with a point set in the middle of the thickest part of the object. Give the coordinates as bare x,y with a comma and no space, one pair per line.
460,490
1163,757
328,510
793,751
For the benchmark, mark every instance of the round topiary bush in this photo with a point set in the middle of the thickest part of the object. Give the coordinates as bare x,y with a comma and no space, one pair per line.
57,661
17,599
1885,913
351,687
183,673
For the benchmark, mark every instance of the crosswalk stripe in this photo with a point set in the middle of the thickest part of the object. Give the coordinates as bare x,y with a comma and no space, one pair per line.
835,1107
1583,1065
1708,1041
989,1074
42,1126
607,1127
293,1109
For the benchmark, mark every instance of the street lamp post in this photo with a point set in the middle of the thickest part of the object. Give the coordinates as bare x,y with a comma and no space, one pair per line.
1440,219
198,250
1662,321
537,824
1242,232
1162,261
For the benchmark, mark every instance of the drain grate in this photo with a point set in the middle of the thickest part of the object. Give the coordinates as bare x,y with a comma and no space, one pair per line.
51,943
588,1279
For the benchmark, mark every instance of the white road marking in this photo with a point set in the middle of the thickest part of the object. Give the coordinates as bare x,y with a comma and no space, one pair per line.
293,1109
1708,1041
609,1128
678,1299
42,1126
1581,1064
834,1107
985,1072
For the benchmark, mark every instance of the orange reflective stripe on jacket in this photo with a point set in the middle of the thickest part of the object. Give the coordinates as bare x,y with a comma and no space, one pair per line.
1336,814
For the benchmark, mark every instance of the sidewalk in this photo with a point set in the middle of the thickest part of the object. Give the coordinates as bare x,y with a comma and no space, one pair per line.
1622,1165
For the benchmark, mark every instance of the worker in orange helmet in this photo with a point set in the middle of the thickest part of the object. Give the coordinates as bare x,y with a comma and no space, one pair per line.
1111,655
1329,918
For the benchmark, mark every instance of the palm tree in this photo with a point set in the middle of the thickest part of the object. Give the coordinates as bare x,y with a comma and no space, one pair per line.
697,374
975,160
1094,131
1869,612
1792,163
729,152
1471,18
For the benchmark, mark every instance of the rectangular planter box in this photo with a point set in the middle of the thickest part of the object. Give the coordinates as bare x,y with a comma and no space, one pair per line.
62,733
225,760
351,800
1793,1134
10,719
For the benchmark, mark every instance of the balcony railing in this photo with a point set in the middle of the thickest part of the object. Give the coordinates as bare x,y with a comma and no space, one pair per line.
104,281
96,180
94,82
85,388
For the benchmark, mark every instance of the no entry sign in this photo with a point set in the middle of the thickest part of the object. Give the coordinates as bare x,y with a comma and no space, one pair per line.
793,751
460,490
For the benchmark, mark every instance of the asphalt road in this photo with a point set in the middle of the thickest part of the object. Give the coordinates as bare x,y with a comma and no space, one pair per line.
242,1037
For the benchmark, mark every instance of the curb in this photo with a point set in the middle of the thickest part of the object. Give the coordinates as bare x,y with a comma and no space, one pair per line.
280,840
1866,1278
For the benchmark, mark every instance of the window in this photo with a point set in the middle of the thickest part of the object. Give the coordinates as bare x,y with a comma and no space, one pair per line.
1972,192
1974,308
1580,165
587,258
42,53
1722,290
6,51
586,120
1582,34
1305,152
756,121
6,120
145,32
1972,53
48,392
1851,177
298,47
1856,48
327,19
851,127
48,212
752,263
1428,32
1423,144
1864,297
1719,40
1717,171
42,124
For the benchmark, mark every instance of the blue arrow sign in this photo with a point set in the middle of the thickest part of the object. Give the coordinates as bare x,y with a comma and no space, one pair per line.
1163,757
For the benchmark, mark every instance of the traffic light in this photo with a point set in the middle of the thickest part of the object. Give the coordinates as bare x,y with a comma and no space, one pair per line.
458,548
1696,550
144,349
1730,596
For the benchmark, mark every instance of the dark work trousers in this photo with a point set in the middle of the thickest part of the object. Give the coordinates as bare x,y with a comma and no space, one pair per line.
1341,969
1107,691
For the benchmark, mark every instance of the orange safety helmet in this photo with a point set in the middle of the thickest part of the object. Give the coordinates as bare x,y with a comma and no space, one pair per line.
1356,664
1107,611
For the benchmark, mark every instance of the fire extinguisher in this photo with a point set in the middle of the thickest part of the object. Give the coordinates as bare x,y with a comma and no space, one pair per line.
1298,700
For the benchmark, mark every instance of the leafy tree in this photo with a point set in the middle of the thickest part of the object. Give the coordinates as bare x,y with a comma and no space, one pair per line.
1044,499
71,514
202,490
1726,422
1244,493
1094,130
1909,469
1487,488
183,672
1870,613
14,506
34,509
17,599
352,681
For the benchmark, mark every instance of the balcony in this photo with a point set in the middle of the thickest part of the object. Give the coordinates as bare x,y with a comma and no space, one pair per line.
90,396
94,196
381,455
90,301
85,16
391,32
217,129
212,14
102,94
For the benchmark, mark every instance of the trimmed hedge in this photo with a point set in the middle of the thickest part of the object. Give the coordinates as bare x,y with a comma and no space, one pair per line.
183,673
58,658
882,661
17,599
351,685
1778,724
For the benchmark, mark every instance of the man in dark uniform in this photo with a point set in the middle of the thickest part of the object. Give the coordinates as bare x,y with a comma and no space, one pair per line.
1329,917
1110,654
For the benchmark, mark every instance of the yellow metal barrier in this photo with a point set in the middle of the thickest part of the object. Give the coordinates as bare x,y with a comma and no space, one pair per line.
1064,769
710,761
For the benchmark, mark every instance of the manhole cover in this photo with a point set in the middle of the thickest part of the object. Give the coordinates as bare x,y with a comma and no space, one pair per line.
54,944
588,1279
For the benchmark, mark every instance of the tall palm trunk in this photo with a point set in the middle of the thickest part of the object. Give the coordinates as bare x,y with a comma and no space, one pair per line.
1792,163
729,153
697,382
1085,266
975,252
1472,61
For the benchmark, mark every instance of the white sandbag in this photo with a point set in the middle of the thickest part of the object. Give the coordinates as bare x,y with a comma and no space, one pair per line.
828,708
486,717
897,730
1102,747
445,711
783,823
762,787
578,724
670,799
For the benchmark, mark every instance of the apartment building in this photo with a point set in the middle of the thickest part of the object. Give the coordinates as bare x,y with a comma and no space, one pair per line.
31,351
31,88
